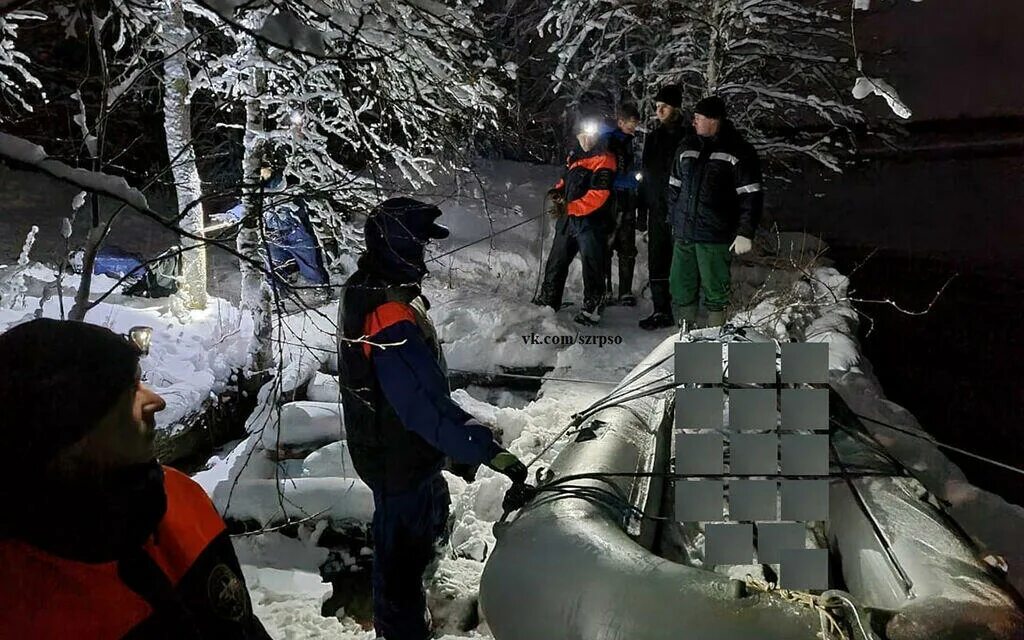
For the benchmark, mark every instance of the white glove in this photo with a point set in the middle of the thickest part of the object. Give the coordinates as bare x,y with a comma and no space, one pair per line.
741,245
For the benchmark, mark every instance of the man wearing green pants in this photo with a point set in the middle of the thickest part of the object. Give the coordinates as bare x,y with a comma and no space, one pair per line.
715,203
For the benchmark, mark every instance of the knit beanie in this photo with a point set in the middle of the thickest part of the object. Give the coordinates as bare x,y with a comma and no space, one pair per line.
711,107
671,95
58,378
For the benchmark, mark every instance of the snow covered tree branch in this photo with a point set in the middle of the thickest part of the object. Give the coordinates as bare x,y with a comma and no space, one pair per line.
776,63
16,76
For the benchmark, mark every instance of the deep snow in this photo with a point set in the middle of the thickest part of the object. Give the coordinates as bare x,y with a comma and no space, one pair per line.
480,305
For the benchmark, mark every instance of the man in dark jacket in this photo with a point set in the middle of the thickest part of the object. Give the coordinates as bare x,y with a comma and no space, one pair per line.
586,191
715,206
623,238
102,542
659,151
399,419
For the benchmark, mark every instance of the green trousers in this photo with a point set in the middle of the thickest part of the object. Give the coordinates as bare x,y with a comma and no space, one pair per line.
696,266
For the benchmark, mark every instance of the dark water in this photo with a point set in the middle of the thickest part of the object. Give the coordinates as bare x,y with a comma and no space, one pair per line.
959,368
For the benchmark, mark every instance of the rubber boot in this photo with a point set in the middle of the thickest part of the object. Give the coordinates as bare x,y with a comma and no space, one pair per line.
716,318
686,317
626,297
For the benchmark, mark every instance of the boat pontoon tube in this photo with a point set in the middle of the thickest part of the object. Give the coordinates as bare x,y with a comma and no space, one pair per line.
566,570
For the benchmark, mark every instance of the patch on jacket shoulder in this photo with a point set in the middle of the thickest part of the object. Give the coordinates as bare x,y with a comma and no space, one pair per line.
226,594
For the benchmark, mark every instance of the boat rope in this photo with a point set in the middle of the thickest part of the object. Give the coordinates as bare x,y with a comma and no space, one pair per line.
479,240
526,376
932,440
830,627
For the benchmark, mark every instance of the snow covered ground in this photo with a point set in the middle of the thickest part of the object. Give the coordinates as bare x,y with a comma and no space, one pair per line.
193,353
480,305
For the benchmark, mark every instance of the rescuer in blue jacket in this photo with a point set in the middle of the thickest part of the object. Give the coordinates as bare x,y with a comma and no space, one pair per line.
400,422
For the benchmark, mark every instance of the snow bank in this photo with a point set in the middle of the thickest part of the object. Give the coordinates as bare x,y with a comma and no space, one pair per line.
480,305
192,355
304,423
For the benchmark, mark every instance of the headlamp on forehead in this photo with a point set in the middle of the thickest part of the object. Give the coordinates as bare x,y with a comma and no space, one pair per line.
590,127
141,337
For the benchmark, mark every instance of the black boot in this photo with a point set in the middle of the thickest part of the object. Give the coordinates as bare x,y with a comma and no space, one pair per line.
547,298
626,297
590,315
657,320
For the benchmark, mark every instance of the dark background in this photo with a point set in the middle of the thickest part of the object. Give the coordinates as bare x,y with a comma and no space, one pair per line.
950,203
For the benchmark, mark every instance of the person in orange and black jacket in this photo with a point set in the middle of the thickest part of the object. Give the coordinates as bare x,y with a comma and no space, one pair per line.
586,191
400,421
100,541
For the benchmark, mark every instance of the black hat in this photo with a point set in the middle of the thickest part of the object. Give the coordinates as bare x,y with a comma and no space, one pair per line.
396,232
671,95
711,107
397,217
59,378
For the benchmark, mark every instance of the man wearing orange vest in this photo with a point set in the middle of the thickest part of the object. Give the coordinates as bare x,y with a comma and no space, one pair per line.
586,191
98,540
400,421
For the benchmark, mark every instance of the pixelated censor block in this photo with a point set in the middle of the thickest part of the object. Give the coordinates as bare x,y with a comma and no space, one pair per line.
698,362
751,363
803,569
804,362
751,409
780,481
753,500
699,454
804,409
754,454
805,500
773,537
804,454
728,543
699,500
699,408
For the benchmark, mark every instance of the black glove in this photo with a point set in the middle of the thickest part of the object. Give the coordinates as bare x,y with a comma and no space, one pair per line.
518,496
508,464
465,471
556,195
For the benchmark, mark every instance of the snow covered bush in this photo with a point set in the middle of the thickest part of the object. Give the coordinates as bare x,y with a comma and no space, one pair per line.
12,278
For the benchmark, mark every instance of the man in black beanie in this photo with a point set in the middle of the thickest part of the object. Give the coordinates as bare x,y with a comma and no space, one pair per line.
652,215
99,540
714,206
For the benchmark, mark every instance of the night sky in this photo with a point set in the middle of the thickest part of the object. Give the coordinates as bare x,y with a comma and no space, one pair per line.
953,56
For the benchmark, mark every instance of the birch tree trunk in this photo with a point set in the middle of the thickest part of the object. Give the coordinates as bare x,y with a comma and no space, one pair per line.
178,128
255,294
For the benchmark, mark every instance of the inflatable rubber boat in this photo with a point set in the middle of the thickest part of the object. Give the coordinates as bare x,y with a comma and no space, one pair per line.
586,558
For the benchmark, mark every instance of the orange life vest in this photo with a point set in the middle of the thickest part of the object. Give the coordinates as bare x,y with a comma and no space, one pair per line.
43,596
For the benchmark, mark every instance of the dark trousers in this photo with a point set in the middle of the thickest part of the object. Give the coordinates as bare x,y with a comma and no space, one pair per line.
659,258
576,234
406,528
623,244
